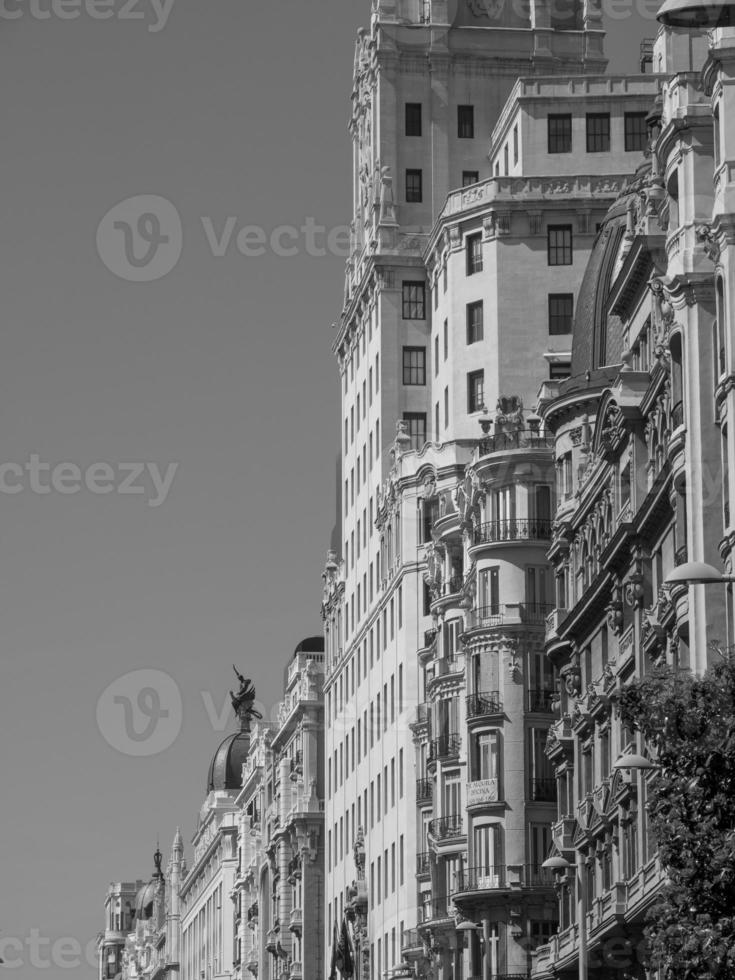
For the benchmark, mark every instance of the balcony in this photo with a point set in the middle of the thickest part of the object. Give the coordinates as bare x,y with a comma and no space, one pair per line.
541,701
435,910
446,828
445,747
296,921
535,613
520,439
501,878
411,940
424,790
483,704
527,613
542,790
553,621
423,864
513,529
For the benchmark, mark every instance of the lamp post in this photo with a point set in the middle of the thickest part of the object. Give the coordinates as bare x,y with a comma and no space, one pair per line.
558,863
467,925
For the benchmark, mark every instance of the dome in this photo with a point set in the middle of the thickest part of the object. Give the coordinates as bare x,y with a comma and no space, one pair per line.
144,900
598,335
225,769
312,644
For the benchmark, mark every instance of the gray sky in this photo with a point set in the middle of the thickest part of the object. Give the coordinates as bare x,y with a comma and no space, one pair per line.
222,367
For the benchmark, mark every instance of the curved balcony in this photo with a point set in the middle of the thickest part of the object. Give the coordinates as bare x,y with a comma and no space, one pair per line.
446,828
508,614
523,529
487,879
503,442
424,790
483,705
411,941
445,747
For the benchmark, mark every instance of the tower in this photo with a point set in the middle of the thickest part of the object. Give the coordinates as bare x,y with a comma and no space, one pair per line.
431,78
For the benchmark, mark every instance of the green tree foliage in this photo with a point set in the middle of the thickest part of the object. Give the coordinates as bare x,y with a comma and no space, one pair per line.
689,722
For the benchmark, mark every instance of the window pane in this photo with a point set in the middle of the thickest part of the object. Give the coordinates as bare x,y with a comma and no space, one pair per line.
474,254
475,391
470,177
636,131
560,244
560,134
414,365
416,422
414,301
414,186
413,119
598,132
474,322
465,122
561,313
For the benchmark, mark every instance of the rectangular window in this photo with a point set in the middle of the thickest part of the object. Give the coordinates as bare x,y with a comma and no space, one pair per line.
559,130
446,407
598,132
436,421
636,131
470,177
414,301
561,313
474,254
559,244
466,122
515,143
559,370
414,365
475,391
414,186
446,339
413,119
475,331
436,355
416,422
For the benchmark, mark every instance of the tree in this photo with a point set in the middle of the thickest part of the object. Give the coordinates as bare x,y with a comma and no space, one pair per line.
689,722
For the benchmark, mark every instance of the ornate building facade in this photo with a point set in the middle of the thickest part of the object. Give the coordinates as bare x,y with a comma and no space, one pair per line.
279,886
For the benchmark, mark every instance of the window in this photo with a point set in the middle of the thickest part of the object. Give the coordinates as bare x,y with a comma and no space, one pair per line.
414,186
413,119
505,160
414,365
559,242
470,177
466,122
561,313
636,131
515,143
559,370
474,254
446,407
559,130
446,339
416,422
436,355
475,391
474,322
598,132
414,301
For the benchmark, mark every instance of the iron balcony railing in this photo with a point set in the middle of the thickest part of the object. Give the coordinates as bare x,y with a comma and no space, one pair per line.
424,790
543,790
488,878
411,939
514,529
535,612
484,703
445,828
444,747
520,439
530,613
540,700
423,863
434,908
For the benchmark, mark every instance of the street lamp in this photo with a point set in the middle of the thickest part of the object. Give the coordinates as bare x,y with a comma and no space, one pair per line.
558,863
696,573
634,760
467,925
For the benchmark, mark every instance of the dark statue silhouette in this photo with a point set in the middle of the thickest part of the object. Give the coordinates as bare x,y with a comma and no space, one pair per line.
242,702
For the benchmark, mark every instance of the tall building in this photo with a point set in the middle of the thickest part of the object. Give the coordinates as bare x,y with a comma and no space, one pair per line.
427,95
279,886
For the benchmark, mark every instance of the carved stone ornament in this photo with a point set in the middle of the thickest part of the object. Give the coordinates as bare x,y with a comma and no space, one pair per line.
708,240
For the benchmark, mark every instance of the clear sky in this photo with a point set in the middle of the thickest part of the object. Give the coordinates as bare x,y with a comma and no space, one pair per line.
222,368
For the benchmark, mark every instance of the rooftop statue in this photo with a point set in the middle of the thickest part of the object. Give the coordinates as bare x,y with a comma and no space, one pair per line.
242,702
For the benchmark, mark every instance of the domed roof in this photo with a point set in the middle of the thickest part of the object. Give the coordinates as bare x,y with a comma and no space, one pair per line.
225,769
312,644
146,895
598,335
